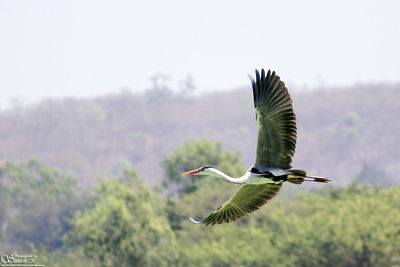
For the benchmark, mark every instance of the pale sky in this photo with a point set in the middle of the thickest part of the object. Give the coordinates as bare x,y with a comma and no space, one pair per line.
88,48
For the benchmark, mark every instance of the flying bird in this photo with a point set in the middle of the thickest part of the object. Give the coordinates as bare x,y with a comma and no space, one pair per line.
276,127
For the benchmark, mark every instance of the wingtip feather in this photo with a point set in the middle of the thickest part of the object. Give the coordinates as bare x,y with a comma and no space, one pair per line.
258,78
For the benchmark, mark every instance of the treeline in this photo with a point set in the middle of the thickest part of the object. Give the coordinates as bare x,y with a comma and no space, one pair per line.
345,133
123,222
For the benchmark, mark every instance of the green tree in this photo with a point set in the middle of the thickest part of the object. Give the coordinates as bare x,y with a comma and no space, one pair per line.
38,203
127,225
354,226
196,154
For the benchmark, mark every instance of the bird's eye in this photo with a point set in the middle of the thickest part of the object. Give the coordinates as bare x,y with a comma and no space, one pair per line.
204,167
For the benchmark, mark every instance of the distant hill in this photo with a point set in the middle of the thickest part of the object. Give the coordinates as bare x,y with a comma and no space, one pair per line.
340,131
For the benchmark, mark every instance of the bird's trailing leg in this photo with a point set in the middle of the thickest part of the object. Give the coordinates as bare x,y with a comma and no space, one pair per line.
299,176
316,179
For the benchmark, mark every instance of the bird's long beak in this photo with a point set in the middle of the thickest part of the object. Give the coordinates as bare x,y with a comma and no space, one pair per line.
191,172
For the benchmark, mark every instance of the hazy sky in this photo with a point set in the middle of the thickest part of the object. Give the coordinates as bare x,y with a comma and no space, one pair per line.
84,48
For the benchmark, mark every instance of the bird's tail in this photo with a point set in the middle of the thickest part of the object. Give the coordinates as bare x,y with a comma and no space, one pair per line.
300,176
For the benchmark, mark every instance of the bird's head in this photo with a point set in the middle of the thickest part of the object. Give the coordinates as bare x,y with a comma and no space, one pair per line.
205,170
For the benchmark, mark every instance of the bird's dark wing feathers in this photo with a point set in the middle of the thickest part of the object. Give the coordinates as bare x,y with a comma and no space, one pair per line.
276,121
247,199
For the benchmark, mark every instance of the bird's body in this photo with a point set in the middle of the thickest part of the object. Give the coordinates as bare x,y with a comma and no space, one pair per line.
276,126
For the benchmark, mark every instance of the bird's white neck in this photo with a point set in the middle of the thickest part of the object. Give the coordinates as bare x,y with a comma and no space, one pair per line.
218,173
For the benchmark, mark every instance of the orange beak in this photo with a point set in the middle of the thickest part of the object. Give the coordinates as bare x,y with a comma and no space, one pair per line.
191,172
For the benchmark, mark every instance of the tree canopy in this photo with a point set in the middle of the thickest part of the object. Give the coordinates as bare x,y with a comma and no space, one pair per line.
36,203
126,226
195,154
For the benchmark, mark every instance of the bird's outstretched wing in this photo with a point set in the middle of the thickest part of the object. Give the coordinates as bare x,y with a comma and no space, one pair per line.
247,199
276,121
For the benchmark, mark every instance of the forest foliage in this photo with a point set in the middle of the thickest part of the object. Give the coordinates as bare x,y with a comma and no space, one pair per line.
124,222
